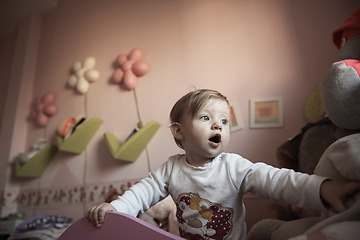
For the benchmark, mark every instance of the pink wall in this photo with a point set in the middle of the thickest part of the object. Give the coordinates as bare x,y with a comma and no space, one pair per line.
244,49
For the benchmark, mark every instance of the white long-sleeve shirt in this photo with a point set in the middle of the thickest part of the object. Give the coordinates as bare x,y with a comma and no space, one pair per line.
209,199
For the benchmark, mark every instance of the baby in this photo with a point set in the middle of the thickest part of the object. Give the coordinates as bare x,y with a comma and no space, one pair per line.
208,185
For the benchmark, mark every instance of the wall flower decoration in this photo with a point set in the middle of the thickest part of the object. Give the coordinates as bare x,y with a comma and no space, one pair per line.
130,68
43,108
83,74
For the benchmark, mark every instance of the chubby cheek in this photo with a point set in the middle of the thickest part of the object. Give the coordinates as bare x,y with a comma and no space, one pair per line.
225,138
199,136
199,131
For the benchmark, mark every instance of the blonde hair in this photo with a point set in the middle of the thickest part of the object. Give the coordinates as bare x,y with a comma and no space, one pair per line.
191,103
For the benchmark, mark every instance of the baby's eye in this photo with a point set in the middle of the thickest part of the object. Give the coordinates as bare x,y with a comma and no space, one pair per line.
224,121
206,118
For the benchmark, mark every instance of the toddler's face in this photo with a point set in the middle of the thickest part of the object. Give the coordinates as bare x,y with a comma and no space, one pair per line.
207,134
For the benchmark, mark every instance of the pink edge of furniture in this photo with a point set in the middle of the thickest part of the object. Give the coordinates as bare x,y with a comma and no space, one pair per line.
116,226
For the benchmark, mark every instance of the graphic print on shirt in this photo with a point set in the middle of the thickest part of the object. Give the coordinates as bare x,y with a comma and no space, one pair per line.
201,219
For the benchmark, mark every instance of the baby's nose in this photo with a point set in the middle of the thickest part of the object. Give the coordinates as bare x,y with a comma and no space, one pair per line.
217,126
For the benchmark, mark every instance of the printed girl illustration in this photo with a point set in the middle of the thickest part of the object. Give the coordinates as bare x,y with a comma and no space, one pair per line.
200,218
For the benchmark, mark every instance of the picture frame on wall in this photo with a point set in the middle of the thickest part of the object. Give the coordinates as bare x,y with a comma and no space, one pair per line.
266,112
235,121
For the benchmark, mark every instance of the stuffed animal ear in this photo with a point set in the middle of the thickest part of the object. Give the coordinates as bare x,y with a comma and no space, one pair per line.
176,131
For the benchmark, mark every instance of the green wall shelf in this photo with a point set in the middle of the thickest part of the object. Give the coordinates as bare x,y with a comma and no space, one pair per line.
132,148
78,141
35,166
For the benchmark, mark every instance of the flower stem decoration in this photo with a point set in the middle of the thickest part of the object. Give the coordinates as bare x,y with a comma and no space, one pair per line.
83,74
130,68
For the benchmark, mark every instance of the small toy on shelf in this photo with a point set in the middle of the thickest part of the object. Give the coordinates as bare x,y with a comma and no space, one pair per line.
73,141
33,164
131,148
68,126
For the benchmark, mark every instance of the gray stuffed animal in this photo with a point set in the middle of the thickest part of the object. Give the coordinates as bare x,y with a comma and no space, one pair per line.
340,94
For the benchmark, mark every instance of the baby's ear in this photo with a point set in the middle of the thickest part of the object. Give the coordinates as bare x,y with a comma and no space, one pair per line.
176,130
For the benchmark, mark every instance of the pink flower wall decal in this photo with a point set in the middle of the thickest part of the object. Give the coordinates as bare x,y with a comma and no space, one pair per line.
43,108
131,67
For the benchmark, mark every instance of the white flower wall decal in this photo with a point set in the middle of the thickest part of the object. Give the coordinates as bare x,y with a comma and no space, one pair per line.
83,74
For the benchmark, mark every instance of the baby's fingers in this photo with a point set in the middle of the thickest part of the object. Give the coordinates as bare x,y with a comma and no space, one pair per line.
351,187
338,205
89,213
98,214
338,191
93,215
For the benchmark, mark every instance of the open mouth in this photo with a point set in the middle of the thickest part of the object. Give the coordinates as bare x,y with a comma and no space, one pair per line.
216,138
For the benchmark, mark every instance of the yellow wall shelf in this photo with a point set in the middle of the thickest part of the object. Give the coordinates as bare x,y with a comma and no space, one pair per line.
132,148
78,141
35,166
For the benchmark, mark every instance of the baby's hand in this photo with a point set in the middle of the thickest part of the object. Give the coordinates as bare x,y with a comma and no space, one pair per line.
96,214
335,192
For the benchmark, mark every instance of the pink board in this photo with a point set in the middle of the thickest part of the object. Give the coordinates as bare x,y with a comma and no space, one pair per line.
116,226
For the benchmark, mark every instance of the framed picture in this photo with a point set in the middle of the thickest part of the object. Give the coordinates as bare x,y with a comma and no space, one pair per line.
266,112
235,122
